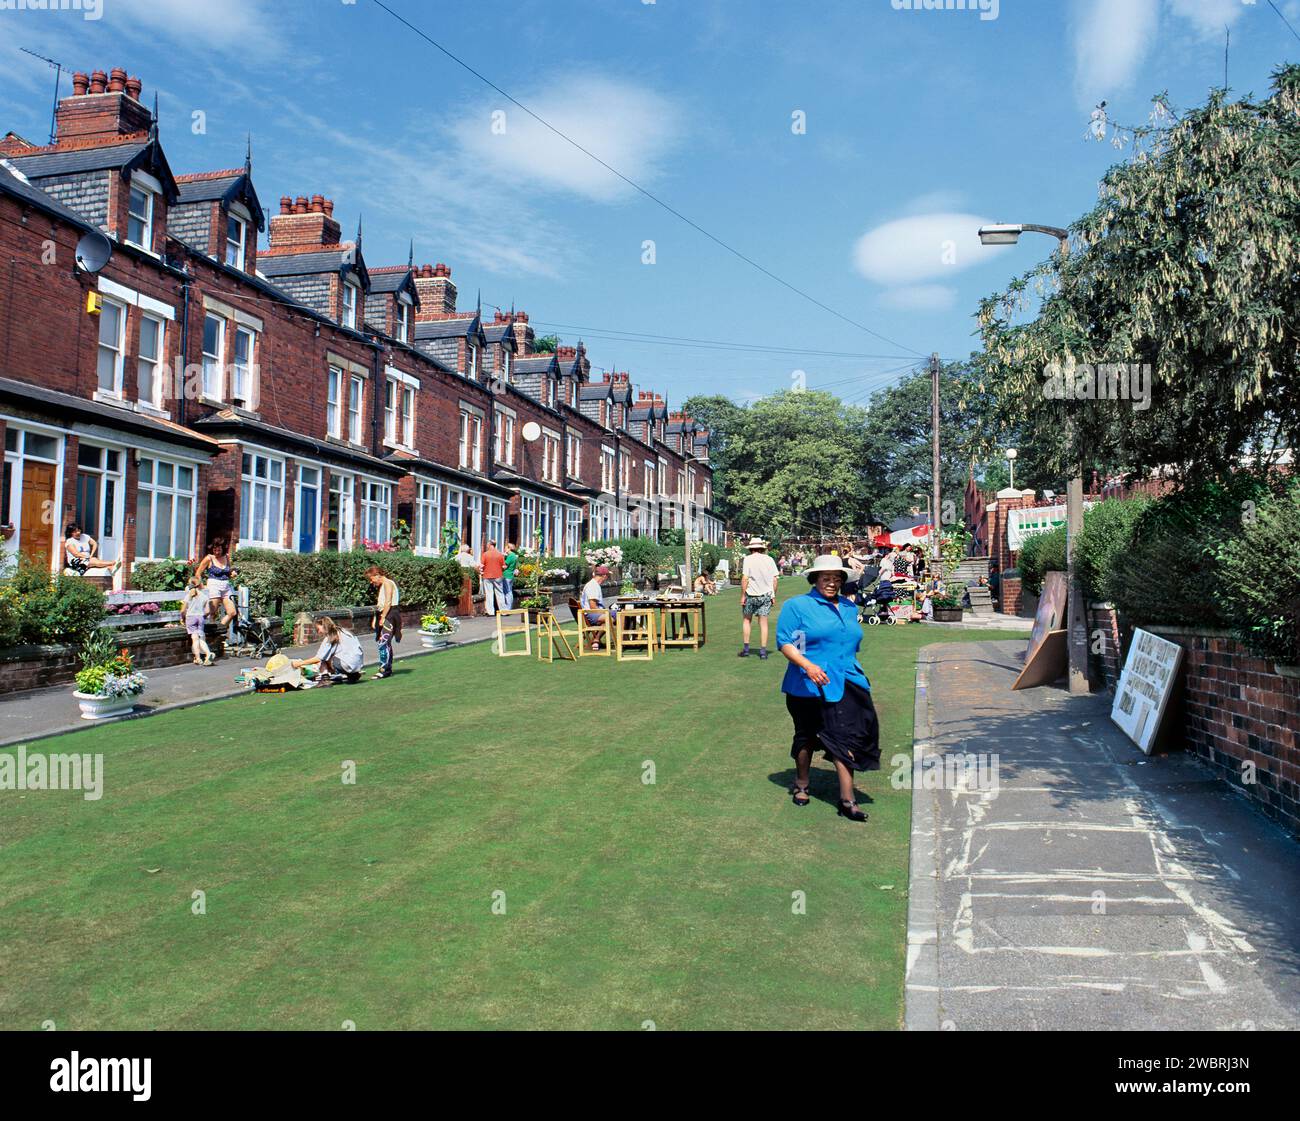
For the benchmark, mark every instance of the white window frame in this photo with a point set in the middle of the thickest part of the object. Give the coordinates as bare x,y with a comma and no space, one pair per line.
624,471
334,401
321,493
175,491
248,367
150,194
349,300
376,510
345,486
648,479
495,521
505,449
573,454
428,517
118,351
403,324
550,456
239,244
214,362
159,366
357,415
470,439
266,535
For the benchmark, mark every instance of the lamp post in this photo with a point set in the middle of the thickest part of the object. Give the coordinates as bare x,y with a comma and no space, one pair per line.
1077,634
1011,466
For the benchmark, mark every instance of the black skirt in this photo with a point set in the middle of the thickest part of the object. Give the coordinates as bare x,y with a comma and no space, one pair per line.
846,729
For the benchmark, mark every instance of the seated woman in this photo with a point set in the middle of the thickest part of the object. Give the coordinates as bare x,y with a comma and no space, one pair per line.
79,552
339,654
705,586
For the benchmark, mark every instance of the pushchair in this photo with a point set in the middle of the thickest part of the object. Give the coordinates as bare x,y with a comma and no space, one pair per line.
249,637
874,608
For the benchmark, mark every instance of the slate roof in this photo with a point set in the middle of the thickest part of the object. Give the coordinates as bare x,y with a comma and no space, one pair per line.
499,332
237,186
146,155
534,364
311,261
231,422
18,187
446,328
392,280
599,391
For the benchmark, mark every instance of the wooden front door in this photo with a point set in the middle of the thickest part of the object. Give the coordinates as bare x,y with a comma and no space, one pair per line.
36,538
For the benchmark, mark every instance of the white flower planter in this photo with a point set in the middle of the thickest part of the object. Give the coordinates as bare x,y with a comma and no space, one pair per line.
95,707
432,641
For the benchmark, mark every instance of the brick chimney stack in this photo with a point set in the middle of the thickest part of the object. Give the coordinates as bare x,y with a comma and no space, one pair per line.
523,334
303,224
437,292
103,107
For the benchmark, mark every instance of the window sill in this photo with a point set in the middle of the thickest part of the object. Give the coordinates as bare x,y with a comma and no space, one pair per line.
153,411
103,397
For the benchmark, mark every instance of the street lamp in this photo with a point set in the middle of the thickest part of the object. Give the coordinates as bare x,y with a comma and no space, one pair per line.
1011,466
1009,234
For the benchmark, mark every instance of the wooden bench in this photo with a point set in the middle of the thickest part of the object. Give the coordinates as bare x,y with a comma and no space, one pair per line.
119,599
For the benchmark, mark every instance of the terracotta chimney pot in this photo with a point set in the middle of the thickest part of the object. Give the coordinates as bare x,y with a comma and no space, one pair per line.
116,80
328,204
318,204
133,87
300,204
286,204
80,84
98,79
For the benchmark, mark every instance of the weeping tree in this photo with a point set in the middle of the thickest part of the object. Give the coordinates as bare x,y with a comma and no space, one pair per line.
1167,339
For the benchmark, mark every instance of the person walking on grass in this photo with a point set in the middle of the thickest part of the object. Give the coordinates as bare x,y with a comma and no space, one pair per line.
491,570
826,691
758,577
508,575
388,619
194,610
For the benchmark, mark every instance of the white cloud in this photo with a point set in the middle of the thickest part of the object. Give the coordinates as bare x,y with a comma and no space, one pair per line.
1209,17
231,25
921,247
630,128
920,297
1111,37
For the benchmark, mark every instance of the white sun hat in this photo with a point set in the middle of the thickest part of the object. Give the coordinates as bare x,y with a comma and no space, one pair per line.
756,543
827,562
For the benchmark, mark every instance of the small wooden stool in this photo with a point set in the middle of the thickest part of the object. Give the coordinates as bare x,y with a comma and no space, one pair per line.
682,626
505,632
552,642
635,630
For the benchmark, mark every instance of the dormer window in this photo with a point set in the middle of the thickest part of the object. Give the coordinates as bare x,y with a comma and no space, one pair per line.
349,304
473,363
403,319
236,240
550,393
139,222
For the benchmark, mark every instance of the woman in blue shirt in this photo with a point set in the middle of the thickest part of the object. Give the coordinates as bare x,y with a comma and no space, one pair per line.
826,692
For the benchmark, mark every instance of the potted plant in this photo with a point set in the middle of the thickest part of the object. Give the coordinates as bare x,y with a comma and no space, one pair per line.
947,604
435,629
107,684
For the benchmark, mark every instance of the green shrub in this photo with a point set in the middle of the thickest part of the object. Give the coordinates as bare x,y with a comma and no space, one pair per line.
169,575
1042,553
1260,577
38,609
1105,541
317,581
1169,572
675,536
636,550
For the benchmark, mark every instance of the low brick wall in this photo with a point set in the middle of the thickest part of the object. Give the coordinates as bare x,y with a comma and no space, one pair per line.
1106,646
1241,708
34,667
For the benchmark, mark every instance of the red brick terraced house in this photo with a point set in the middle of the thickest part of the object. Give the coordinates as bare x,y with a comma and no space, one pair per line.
286,396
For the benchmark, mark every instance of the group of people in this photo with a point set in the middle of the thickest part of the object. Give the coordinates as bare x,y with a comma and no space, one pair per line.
339,657
496,572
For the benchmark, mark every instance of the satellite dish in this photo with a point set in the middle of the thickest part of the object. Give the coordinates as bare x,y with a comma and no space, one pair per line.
93,251
531,431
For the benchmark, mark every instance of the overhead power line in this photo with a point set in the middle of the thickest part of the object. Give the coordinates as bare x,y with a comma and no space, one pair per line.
637,186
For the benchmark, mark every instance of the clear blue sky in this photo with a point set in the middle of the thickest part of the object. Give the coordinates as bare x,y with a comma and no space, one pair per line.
918,125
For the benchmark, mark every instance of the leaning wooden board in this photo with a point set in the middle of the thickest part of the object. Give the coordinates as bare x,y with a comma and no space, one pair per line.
1145,686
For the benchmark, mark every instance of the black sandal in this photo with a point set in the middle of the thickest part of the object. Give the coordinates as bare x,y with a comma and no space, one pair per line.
795,791
850,810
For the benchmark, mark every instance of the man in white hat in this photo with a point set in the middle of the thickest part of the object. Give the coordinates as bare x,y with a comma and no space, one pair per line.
758,577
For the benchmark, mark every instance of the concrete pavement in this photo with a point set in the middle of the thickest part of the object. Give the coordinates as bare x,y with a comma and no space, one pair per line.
37,713
1090,887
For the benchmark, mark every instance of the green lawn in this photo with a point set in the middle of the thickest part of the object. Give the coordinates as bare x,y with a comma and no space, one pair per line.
624,902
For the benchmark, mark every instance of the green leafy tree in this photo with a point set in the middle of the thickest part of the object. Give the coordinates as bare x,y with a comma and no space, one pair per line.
1187,265
546,344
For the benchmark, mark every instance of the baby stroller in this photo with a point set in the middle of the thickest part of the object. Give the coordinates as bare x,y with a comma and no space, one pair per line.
249,637
874,609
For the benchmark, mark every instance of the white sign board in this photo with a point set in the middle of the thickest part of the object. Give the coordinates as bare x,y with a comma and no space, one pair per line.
1144,687
1026,521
